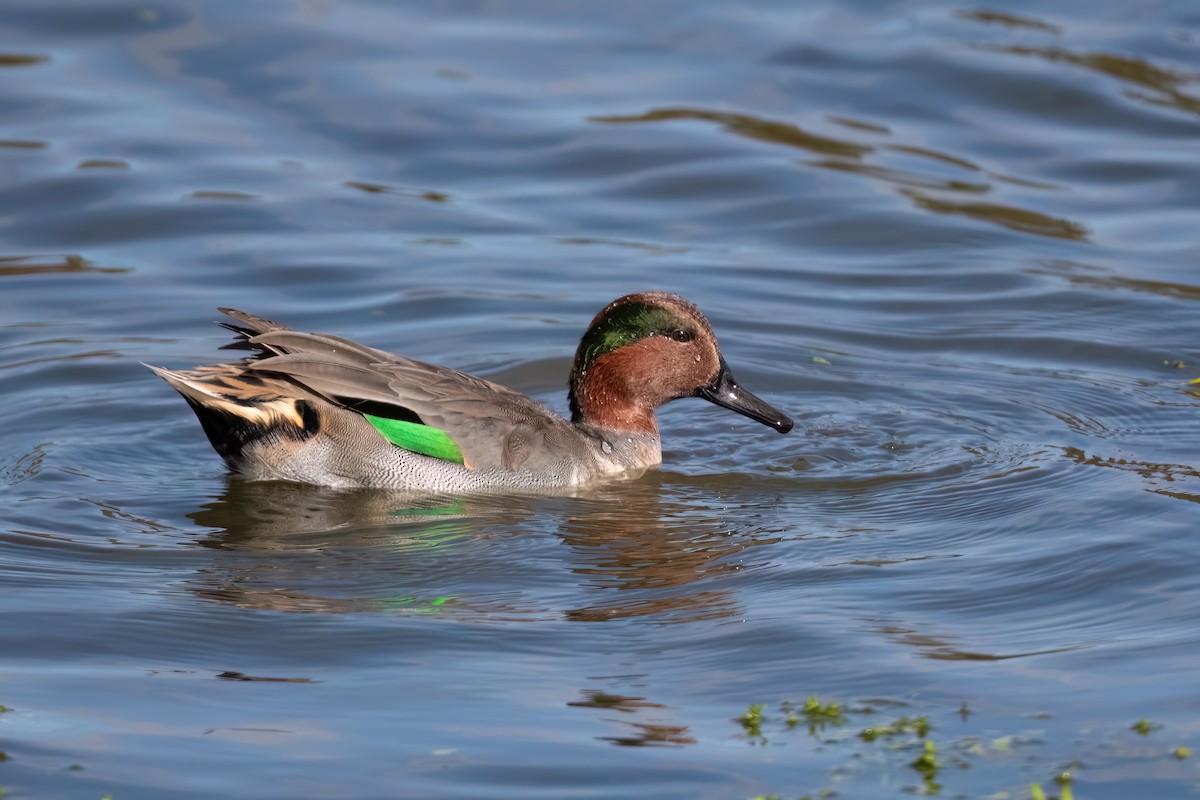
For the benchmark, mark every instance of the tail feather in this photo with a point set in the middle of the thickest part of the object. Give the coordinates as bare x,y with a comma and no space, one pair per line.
226,391
252,323
250,327
237,410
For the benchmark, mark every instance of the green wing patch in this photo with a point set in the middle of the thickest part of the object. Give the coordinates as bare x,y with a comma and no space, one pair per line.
417,438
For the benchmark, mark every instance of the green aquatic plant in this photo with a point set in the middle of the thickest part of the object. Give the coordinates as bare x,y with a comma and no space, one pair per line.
903,745
813,708
752,720
928,765
918,726
1064,779
816,714
1143,727
1065,792
927,762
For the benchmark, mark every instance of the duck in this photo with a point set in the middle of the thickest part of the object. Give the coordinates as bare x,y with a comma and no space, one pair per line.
319,409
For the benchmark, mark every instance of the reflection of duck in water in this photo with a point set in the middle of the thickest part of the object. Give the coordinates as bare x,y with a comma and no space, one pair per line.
657,548
257,516
323,410
281,546
661,549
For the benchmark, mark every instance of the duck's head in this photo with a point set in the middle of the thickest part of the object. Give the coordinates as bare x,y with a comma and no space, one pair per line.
649,348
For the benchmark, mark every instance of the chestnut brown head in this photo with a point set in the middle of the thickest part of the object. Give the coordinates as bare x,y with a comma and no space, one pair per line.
649,348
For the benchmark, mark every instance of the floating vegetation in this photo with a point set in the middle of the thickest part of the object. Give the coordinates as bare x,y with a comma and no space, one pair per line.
918,726
1064,785
1143,727
928,765
752,721
1036,792
816,715
866,747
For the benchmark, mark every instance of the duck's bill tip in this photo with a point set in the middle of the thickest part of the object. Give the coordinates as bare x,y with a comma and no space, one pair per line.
783,423
724,391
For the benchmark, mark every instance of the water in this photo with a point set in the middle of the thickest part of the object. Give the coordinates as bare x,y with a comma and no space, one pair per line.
957,245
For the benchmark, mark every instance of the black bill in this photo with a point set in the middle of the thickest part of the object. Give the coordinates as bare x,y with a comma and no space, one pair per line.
724,391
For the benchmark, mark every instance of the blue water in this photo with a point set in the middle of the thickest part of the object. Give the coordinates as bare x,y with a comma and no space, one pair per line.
956,244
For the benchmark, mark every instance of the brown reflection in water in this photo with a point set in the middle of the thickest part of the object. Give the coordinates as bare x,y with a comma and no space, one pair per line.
1153,473
645,734
1164,84
37,265
763,130
858,124
1018,219
1024,182
103,163
594,698
649,735
379,188
206,194
232,675
18,467
1007,20
1082,274
934,155
943,648
653,249
901,177
22,59
1146,469
855,158
1191,497
642,554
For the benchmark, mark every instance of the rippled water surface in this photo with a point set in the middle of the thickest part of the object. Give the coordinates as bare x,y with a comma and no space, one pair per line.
957,244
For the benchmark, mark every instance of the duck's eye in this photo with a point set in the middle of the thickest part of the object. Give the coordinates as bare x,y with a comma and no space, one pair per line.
683,336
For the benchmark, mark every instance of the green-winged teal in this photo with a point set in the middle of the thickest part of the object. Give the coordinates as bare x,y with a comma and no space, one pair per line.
321,409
